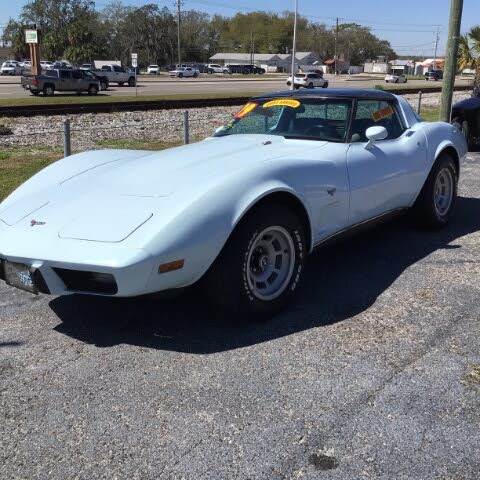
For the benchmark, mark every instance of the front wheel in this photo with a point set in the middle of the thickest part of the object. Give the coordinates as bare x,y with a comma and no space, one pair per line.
180,75
325,85
92,90
48,91
131,82
438,197
260,268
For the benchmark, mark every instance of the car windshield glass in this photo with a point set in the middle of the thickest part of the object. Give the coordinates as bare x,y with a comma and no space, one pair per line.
300,118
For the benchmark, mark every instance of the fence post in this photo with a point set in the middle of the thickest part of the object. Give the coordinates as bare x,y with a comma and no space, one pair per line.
67,146
186,129
419,104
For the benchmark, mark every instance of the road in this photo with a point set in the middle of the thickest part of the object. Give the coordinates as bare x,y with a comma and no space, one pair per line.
208,84
369,376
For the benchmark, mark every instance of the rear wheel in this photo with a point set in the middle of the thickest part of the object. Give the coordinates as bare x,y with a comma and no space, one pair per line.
259,269
438,197
92,90
131,82
48,90
103,85
325,85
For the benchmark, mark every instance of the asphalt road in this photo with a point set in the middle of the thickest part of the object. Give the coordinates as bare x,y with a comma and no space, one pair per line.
367,376
209,84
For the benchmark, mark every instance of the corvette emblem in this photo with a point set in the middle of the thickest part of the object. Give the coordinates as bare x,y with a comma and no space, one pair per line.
34,223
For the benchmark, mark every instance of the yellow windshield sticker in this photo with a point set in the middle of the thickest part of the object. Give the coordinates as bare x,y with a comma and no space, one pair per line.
383,113
284,102
246,110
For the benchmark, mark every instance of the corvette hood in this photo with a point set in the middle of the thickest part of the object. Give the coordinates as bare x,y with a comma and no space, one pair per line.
106,195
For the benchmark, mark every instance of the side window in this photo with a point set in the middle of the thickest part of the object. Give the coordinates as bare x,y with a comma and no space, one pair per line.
64,74
371,113
77,75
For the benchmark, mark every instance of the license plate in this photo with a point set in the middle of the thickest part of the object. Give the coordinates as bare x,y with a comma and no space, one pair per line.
20,276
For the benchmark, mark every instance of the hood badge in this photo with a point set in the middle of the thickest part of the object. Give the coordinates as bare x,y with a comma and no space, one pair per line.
34,223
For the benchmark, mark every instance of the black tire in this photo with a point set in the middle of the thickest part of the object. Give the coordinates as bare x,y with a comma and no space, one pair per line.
104,85
210,72
425,211
325,85
195,75
131,82
48,90
310,85
227,282
92,90
180,75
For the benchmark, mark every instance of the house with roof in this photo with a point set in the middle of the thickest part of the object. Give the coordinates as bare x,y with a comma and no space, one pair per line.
407,67
270,61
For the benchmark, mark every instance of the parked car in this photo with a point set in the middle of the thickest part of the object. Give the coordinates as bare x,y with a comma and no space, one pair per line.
308,80
184,72
466,115
215,68
61,81
395,78
11,68
237,213
116,74
153,69
46,65
434,75
245,69
87,66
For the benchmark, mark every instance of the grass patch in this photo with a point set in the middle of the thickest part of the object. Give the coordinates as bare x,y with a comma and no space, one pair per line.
430,114
136,144
105,98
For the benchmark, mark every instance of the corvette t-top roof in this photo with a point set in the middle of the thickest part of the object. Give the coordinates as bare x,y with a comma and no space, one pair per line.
333,93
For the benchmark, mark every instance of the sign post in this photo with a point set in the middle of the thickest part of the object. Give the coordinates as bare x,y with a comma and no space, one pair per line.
135,66
33,41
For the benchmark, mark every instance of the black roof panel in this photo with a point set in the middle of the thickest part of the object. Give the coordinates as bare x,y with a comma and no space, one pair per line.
331,92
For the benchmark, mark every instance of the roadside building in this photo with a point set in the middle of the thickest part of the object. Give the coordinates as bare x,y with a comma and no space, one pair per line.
339,65
429,64
271,62
6,53
406,67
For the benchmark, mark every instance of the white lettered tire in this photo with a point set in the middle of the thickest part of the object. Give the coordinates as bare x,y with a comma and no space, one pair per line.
260,268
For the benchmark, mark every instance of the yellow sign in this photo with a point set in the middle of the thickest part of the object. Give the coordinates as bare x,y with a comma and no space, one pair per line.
284,102
246,109
383,113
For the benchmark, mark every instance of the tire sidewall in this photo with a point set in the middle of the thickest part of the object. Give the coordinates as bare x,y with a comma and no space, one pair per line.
238,255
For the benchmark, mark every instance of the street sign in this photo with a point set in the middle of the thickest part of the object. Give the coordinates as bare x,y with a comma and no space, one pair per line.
31,36
134,62
134,56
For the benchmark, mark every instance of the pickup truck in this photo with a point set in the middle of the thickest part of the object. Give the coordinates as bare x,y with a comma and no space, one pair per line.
61,81
115,74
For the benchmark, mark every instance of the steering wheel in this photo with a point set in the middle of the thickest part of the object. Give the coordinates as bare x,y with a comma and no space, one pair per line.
323,131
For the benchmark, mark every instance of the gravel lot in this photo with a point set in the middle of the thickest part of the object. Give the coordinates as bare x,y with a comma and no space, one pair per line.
166,125
370,375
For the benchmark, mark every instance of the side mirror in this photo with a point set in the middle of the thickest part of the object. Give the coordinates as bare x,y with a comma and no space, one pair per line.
374,134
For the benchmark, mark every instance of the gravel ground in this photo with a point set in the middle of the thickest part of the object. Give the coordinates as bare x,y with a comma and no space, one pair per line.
162,125
370,375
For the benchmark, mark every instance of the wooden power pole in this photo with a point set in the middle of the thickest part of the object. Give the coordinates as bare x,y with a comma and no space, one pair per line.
456,9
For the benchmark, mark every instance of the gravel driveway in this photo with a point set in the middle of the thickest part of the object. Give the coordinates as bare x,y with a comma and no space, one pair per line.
370,375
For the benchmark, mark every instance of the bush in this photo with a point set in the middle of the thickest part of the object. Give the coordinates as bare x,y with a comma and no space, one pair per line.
379,87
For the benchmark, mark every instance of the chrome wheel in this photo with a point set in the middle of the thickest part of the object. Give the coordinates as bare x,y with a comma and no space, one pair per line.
443,193
270,263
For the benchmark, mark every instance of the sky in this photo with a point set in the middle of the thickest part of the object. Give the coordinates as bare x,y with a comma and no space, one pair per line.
409,25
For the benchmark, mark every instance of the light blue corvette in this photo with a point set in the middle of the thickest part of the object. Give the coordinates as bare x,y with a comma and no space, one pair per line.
238,212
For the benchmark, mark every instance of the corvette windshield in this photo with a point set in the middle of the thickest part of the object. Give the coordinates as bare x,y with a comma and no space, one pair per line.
300,118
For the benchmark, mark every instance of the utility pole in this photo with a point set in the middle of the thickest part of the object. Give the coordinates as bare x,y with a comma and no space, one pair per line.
336,48
251,46
294,49
456,9
179,4
437,38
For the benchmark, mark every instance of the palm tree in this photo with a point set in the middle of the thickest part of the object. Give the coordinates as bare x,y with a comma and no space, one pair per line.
469,52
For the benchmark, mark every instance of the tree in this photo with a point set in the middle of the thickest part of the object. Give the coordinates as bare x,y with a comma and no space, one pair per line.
469,52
